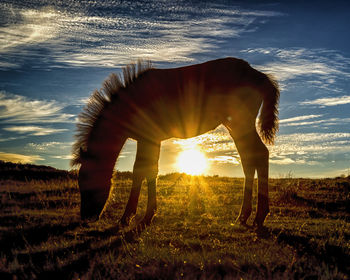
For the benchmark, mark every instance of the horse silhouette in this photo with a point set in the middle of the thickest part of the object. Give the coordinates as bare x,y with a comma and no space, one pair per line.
151,105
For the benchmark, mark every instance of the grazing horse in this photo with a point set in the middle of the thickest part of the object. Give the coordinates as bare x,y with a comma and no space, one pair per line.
151,105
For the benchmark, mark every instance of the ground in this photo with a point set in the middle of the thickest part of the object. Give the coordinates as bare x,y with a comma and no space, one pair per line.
193,235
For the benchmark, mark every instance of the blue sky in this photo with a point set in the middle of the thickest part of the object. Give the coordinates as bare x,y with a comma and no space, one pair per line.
53,54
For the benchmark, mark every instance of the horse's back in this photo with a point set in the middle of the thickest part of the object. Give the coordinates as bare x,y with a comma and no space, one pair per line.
187,101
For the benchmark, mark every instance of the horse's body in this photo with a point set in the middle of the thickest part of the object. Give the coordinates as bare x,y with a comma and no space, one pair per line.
151,105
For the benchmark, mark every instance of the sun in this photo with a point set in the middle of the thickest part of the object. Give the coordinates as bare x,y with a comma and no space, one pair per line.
192,161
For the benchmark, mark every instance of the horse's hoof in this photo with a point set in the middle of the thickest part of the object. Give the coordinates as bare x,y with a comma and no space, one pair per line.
241,221
262,232
123,223
257,224
146,221
241,225
140,228
259,220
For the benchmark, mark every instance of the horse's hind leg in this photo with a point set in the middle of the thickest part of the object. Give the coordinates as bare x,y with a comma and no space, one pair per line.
262,166
254,156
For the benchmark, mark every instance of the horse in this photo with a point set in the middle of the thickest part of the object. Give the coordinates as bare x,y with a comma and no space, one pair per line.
150,105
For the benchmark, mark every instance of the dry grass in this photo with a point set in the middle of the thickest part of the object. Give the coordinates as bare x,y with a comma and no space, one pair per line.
192,236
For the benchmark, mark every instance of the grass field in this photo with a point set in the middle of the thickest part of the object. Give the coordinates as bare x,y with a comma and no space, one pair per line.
191,237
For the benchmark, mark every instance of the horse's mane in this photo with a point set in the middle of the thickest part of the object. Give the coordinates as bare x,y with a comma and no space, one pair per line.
99,100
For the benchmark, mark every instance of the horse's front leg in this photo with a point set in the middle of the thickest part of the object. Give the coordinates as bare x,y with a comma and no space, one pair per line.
131,206
152,172
146,166
140,171
152,201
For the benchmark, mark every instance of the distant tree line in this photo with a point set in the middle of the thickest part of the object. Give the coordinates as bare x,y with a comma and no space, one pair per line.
27,172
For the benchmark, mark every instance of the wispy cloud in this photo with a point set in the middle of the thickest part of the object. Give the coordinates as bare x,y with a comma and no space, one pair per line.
34,130
76,38
7,139
308,148
311,154
225,159
65,157
299,118
20,109
19,158
285,161
320,68
328,101
32,27
48,146
314,137
51,150
324,122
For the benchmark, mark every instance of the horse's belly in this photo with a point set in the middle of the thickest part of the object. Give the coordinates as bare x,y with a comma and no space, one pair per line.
187,127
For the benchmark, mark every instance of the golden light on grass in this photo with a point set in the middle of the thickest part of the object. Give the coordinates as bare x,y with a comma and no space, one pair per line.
192,161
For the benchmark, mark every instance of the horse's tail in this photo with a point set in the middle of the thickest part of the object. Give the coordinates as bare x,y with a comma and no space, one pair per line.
268,119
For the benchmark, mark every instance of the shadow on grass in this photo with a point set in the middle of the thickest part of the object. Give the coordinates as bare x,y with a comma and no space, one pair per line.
305,246
64,261
32,235
329,206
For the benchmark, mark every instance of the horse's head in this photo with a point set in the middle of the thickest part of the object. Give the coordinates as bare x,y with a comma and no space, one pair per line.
94,184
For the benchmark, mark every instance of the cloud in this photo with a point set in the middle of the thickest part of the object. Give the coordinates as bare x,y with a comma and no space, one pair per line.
33,27
53,150
295,149
314,137
34,130
215,140
20,109
18,158
48,146
7,65
308,147
79,36
328,101
324,122
217,145
11,138
299,118
321,68
64,157
225,159
285,161
307,123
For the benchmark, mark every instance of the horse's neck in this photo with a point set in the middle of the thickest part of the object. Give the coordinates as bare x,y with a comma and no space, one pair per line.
108,136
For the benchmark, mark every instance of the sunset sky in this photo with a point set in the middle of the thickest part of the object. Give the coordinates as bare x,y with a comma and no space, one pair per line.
53,54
